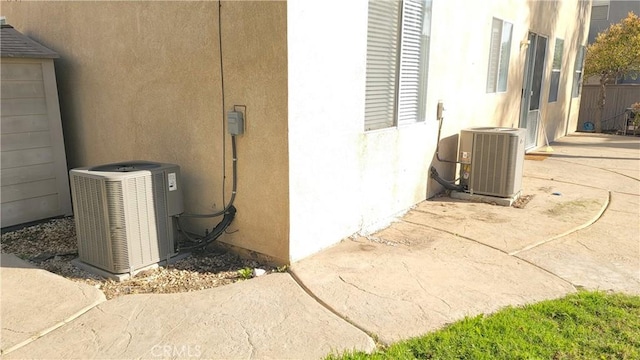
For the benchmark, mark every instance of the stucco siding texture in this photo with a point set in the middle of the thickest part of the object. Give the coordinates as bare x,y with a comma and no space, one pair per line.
142,80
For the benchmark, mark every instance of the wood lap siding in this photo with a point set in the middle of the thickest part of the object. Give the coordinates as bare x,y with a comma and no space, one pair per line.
30,185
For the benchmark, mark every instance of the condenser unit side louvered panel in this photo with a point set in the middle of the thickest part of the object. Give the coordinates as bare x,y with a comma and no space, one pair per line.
90,214
490,164
165,228
495,158
136,237
123,220
116,259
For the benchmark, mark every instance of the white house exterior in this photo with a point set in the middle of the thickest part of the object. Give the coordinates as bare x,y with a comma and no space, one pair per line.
344,179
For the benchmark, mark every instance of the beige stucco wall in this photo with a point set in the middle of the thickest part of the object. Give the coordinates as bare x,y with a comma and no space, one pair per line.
344,180
141,80
458,72
569,20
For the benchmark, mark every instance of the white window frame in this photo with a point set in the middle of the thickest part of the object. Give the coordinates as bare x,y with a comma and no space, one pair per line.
556,68
600,10
397,62
577,73
499,55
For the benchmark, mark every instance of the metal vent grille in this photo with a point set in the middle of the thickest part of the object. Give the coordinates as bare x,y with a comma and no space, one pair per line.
142,239
123,214
162,217
496,164
88,202
116,222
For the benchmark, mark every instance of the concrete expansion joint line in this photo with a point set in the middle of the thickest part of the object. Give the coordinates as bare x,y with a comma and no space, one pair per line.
621,174
295,278
571,231
545,270
504,252
455,234
599,168
564,182
44,332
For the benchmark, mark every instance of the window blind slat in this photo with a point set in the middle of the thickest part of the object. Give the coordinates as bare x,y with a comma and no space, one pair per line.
556,66
499,54
397,44
382,53
412,54
494,55
599,12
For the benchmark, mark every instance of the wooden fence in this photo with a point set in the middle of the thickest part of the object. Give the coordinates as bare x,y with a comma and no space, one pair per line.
619,98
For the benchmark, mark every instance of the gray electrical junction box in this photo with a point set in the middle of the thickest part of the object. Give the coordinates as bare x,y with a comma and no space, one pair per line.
235,122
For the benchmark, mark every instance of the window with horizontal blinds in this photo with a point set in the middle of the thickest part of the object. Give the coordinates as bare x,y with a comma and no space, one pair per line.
577,74
555,70
382,58
499,54
600,10
505,52
494,55
397,54
412,62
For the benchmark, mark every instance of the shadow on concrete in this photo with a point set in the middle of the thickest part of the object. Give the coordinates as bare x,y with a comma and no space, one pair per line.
592,157
618,145
14,262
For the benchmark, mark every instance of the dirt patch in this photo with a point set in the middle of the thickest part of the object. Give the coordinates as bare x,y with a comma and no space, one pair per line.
571,207
536,157
489,217
522,201
52,245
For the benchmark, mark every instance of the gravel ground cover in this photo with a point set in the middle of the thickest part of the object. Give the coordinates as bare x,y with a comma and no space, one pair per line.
52,245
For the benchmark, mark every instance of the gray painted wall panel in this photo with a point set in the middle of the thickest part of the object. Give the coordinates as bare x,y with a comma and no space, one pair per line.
27,173
22,89
12,107
34,175
24,123
21,71
29,190
27,140
20,158
35,208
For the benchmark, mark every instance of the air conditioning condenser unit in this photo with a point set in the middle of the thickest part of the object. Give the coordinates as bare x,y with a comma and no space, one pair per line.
491,160
123,214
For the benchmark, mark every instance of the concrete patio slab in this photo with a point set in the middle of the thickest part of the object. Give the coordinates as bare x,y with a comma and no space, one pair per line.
410,279
604,256
601,161
444,260
35,301
266,317
556,208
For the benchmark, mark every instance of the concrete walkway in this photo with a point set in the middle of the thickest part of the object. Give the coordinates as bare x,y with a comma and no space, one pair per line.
35,302
443,260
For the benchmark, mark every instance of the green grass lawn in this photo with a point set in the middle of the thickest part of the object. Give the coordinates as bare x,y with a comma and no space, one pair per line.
585,325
